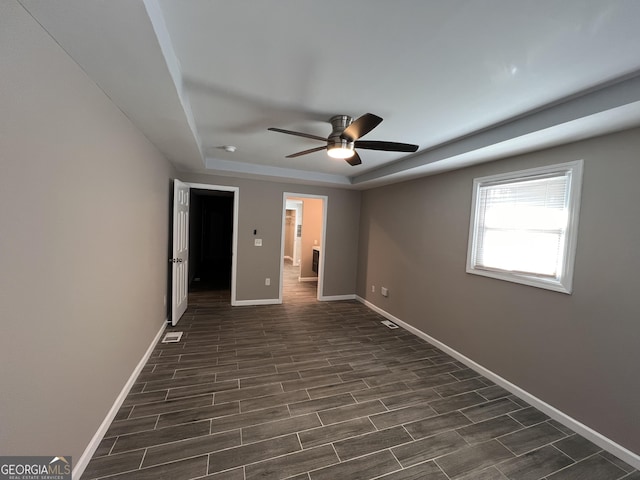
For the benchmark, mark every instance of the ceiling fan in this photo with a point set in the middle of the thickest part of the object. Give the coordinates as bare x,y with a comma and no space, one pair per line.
344,138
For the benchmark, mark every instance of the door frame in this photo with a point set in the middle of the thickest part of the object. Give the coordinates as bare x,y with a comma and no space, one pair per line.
296,242
234,246
325,204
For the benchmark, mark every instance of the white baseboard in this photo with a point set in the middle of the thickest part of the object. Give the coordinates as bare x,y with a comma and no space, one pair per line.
333,298
276,301
261,301
82,463
603,442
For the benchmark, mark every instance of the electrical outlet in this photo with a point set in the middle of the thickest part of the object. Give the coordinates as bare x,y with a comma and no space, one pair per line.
267,281
257,242
373,289
384,291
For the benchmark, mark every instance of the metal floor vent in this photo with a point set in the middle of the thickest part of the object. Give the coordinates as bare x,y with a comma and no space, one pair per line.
389,324
172,337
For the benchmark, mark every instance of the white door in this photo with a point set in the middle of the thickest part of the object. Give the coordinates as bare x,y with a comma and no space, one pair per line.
180,260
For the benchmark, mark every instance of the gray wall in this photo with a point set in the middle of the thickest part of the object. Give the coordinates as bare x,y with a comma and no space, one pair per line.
580,352
260,208
84,204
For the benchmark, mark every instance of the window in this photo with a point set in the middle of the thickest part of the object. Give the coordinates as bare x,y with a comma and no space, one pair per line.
524,226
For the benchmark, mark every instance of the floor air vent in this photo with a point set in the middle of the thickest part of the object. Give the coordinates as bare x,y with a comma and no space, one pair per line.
389,324
172,337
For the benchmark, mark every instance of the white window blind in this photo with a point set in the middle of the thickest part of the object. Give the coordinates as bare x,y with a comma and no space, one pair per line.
523,226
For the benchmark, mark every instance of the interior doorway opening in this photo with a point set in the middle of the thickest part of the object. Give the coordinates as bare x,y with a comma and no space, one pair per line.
211,241
303,240
204,243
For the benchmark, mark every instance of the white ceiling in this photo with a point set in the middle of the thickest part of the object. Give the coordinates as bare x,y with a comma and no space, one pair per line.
468,80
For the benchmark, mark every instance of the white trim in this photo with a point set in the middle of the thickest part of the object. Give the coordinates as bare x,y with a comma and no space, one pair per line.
335,298
159,25
603,442
259,301
234,246
254,170
82,463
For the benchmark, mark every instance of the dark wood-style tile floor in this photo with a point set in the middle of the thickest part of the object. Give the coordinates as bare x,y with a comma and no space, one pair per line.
313,390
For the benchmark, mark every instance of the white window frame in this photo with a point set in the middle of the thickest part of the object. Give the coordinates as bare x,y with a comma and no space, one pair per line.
563,282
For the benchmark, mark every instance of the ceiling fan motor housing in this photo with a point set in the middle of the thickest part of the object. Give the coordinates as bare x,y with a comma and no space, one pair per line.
335,140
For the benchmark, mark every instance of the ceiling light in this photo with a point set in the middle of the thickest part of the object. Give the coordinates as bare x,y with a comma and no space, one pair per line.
340,152
229,148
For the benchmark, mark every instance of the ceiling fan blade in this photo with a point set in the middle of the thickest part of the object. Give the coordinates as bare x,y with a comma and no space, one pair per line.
361,126
354,160
387,146
304,152
299,134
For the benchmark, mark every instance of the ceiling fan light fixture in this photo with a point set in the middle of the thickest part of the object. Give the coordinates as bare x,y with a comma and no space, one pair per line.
345,139
340,152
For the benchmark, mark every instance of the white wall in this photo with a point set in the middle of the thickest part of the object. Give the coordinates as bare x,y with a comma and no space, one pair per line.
83,245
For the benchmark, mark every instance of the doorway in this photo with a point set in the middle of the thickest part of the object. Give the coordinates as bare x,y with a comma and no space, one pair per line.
213,225
210,241
303,241
204,243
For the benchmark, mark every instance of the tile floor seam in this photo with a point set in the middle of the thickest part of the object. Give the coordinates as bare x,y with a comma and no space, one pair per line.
523,426
144,454
568,456
112,475
408,432
606,459
497,466
257,461
565,467
442,470
514,453
166,443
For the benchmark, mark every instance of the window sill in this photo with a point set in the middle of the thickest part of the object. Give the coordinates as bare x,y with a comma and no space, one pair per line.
532,281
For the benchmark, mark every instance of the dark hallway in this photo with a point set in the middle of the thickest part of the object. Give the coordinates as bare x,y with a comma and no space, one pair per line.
210,240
